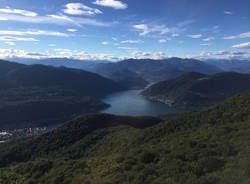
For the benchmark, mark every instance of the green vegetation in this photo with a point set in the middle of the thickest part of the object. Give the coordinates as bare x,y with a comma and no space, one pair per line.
205,147
37,96
193,91
38,107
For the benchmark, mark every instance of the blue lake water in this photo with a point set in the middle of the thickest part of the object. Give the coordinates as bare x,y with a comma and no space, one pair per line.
133,104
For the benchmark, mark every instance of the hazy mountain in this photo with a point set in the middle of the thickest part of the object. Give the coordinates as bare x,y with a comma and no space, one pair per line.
157,70
241,66
146,69
211,146
128,79
66,62
195,90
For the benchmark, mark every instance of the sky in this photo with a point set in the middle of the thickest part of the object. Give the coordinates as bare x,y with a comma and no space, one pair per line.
119,29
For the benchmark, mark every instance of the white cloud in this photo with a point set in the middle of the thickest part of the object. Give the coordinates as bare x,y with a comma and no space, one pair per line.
162,41
105,43
80,9
58,53
10,43
133,41
145,29
127,48
36,33
117,5
18,11
185,23
13,39
208,39
3,19
228,12
195,36
206,44
11,53
52,45
148,55
56,19
72,30
223,55
216,29
239,36
242,46
175,35
61,17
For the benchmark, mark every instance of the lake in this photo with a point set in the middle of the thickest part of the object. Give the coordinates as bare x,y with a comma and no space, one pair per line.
133,104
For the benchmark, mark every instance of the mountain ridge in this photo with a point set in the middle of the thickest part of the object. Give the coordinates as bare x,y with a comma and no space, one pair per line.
194,90
157,70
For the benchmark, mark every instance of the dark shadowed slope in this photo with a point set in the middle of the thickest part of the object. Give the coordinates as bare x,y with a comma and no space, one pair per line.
39,107
37,95
6,67
44,76
195,90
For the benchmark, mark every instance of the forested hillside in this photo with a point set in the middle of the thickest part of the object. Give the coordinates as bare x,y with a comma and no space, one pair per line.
193,90
211,146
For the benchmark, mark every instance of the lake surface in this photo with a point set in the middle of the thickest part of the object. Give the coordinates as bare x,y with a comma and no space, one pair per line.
133,104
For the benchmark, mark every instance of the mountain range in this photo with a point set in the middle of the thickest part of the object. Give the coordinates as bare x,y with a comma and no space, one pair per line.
87,65
157,70
233,65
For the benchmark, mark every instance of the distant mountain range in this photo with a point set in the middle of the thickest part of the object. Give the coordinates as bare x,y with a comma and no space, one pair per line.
37,95
140,71
234,65
157,70
195,90
128,79
178,65
58,62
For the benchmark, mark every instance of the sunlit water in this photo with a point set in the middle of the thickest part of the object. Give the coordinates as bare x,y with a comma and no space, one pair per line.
133,104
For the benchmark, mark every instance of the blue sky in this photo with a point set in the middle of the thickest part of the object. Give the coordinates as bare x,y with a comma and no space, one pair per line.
114,30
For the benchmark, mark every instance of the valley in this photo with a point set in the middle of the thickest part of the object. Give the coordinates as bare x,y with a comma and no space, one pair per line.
124,92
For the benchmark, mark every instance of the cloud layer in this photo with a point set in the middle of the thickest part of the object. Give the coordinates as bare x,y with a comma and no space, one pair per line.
118,5
80,9
18,11
242,46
